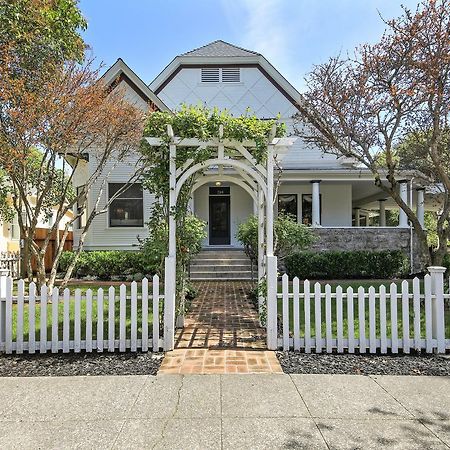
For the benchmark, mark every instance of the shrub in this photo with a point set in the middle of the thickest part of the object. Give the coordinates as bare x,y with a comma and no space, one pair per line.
289,236
106,264
347,264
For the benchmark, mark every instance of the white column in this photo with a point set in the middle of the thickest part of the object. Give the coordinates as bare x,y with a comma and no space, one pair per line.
403,218
437,289
170,261
382,221
315,203
421,206
357,217
269,202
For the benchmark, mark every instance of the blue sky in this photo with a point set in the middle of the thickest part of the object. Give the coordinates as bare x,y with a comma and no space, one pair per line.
292,34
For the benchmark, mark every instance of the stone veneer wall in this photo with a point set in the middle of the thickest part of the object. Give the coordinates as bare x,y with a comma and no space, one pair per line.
370,239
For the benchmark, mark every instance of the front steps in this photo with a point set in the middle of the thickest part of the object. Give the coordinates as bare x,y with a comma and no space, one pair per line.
221,264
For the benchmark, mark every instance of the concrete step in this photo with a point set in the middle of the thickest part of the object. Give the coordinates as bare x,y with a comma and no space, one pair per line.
220,262
220,268
243,275
221,255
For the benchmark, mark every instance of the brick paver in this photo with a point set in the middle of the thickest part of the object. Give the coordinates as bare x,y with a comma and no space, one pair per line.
221,334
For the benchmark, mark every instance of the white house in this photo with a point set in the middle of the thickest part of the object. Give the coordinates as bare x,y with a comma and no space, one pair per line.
333,195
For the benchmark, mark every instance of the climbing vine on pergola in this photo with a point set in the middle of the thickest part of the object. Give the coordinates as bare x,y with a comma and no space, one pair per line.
195,146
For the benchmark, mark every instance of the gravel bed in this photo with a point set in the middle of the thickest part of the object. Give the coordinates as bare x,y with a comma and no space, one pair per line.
295,362
72,364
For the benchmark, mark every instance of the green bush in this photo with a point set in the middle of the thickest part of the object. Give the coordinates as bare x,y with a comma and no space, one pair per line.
107,264
346,264
446,262
289,236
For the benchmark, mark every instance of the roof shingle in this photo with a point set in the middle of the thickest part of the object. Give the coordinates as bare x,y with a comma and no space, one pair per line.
220,48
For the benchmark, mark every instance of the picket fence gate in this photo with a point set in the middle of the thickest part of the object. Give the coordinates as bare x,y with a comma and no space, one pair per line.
389,319
61,320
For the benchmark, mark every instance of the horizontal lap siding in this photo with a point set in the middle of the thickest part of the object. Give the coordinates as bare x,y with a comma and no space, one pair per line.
100,236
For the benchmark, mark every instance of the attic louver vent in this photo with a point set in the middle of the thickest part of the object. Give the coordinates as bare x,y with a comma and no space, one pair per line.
210,75
231,75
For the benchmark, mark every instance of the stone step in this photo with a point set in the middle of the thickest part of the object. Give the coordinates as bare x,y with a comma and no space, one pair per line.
220,268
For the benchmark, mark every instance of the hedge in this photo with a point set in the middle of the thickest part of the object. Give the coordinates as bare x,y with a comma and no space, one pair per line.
106,264
347,264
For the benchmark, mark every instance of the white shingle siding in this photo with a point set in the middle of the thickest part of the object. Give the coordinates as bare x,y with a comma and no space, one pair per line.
254,92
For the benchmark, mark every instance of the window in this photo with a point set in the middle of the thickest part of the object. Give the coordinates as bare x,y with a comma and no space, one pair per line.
287,204
127,210
225,75
307,209
210,75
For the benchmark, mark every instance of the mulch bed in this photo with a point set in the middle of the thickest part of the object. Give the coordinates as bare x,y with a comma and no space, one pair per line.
433,365
73,364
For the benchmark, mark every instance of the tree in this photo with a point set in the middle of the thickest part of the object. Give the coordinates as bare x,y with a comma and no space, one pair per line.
63,121
364,106
38,34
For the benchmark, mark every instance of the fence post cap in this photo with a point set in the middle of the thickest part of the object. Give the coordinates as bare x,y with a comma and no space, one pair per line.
4,272
437,269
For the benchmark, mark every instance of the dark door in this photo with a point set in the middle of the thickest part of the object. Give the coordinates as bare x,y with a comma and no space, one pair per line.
219,220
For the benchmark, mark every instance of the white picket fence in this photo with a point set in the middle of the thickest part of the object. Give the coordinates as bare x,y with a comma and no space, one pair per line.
10,262
414,316
122,318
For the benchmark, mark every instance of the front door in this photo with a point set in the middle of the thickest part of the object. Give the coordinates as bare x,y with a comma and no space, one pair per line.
219,220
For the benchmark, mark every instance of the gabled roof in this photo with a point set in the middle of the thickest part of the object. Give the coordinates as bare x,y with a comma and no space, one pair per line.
220,54
220,48
120,71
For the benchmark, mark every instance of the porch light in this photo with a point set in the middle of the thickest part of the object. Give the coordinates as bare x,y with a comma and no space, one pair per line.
218,183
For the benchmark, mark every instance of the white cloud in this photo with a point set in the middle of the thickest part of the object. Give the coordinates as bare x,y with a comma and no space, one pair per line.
259,26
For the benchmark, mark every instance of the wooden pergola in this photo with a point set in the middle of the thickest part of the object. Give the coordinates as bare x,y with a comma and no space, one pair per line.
231,161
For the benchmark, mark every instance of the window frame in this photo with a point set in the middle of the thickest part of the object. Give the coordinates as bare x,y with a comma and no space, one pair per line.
109,225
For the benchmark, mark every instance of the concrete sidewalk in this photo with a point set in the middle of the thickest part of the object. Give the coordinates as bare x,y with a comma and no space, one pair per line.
226,411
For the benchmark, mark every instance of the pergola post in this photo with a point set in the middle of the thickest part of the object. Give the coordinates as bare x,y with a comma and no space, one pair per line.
260,207
171,259
271,260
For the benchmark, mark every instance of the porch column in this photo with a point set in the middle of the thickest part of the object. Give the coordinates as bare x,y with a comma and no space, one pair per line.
382,221
421,206
357,217
316,203
403,218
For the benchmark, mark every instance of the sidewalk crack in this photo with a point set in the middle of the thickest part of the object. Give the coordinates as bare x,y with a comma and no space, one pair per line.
175,411
421,421
309,412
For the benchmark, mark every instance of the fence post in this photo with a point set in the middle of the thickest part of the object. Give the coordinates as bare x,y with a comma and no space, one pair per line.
272,289
3,276
437,291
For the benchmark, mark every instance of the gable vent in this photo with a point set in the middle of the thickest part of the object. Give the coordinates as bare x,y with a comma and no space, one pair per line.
231,75
210,75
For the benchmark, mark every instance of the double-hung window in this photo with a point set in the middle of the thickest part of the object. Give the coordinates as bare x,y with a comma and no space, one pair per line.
127,209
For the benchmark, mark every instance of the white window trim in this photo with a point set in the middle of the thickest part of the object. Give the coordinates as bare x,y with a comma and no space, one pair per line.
108,225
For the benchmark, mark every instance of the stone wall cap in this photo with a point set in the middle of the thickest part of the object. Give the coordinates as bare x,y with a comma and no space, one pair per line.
437,269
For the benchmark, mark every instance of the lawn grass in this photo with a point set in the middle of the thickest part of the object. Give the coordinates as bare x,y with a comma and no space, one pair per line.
83,307
355,284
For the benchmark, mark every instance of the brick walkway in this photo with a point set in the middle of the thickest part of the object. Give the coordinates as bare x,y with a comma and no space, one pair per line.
221,334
